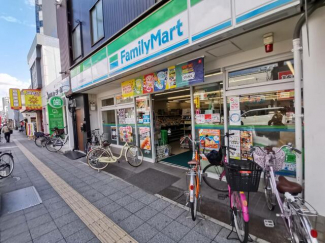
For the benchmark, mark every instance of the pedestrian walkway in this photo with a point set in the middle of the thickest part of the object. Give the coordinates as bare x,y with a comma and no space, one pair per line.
82,205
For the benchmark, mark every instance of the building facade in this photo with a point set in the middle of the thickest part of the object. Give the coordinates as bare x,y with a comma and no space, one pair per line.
195,68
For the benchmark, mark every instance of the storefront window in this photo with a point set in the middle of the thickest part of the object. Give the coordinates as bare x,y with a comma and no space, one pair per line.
143,124
266,73
126,125
209,115
264,119
109,126
120,100
107,102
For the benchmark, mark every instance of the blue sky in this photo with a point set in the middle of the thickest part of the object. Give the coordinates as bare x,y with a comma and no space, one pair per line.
17,31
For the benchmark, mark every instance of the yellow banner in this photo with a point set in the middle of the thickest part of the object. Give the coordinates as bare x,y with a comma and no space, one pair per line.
128,88
33,99
15,99
171,79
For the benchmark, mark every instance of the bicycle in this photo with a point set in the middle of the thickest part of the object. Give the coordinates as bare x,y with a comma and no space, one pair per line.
295,211
54,144
6,164
41,138
95,141
100,158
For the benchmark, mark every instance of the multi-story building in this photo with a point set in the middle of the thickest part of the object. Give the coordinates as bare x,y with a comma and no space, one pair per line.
151,73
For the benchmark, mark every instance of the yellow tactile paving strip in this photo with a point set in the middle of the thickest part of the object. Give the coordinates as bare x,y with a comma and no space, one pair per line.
104,228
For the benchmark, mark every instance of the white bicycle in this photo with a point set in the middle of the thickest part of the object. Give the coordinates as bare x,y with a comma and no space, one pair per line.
54,144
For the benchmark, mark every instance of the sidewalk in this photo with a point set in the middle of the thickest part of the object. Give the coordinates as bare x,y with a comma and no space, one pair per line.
143,216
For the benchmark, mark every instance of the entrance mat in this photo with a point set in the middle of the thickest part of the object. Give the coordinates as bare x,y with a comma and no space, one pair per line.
19,200
180,159
119,171
152,180
74,155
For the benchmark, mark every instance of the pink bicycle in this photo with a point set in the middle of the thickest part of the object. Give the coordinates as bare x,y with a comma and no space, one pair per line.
242,176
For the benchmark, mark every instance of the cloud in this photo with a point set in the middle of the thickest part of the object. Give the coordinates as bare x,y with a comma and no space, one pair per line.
17,21
7,81
30,2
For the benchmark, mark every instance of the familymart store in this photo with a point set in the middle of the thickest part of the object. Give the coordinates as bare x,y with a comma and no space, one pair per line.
177,76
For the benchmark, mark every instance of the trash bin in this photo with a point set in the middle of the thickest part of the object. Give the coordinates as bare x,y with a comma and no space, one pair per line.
164,136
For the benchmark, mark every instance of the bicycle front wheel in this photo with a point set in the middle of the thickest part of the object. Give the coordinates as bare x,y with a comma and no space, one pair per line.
238,218
134,156
99,158
215,183
54,144
269,195
6,165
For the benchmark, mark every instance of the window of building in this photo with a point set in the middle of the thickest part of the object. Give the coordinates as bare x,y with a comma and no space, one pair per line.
97,24
107,102
76,42
282,70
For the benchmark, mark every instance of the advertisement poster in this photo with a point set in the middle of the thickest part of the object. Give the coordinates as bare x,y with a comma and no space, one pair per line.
128,88
148,83
55,118
145,138
246,141
33,99
215,118
234,103
146,119
160,82
138,86
234,117
126,134
121,116
212,141
189,73
234,142
171,80
113,133
199,119
208,118
15,99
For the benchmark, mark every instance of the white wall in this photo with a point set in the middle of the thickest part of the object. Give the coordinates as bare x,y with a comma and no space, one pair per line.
314,90
50,64
94,123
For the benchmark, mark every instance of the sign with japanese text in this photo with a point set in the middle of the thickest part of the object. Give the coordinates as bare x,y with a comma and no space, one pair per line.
160,82
234,103
138,86
15,99
128,88
171,79
190,73
33,99
56,102
149,82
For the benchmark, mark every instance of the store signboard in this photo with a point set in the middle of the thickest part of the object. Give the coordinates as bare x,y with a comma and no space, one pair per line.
15,99
190,73
128,88
160,82
55,117
171,78
56,102
33,99
149,83
138,86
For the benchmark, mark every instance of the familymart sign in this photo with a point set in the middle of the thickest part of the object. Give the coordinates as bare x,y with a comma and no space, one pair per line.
168,36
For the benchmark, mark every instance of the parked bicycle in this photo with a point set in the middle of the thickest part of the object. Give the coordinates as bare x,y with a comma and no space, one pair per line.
295,211
100,158
96,140
6,164
41,138
55,143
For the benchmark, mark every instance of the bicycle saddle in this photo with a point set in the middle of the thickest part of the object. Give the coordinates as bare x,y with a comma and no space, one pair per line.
287,186
193,162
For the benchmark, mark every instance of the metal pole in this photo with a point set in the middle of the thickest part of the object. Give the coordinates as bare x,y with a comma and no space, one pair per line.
225,108
298,116
192,117
152,130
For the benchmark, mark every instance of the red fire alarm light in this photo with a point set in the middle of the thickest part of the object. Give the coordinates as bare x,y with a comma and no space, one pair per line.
268,42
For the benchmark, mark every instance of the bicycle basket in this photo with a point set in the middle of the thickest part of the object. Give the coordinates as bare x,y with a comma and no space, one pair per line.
214,157
262,160
246,178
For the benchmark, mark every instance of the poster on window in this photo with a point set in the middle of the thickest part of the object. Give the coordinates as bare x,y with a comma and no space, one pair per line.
121,116
210,138
234,103
138,86
234,142
171,78
189,73
126,134
128,88
235,118
113,133
160,82
145,138
149,83
246,142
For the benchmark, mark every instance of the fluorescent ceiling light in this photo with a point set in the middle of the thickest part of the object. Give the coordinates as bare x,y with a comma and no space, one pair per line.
212,74
177,97
290,67
176,91
239,80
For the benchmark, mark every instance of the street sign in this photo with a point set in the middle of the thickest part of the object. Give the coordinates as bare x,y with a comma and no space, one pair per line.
56,102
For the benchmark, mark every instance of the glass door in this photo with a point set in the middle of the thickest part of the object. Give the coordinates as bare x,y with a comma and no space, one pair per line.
109,126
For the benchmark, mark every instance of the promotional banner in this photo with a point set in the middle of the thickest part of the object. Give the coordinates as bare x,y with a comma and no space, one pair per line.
145,138
55,117
160,82
211,138
246,142
15,99
171,79
126,134
190,73
149,82
128,88
138,87
234,142
33,99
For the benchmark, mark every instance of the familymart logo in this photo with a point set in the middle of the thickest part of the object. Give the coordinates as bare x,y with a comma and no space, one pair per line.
149,43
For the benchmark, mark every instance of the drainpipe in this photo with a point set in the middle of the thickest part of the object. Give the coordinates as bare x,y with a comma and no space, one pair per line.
297,50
